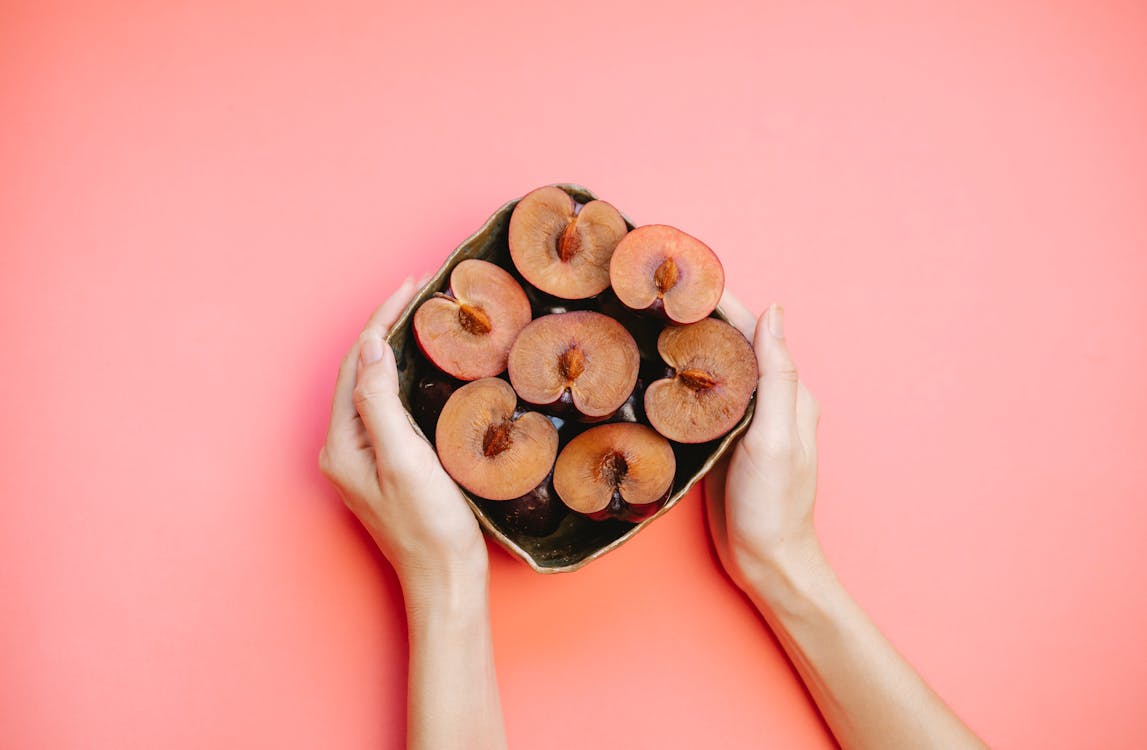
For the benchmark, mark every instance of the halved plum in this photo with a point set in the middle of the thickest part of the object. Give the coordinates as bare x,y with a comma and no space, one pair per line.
583,361
714,376
618,470
491,447
667,271
468,332
562,247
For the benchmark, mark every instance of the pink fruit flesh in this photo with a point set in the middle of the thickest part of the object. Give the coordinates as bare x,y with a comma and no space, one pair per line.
488,450
468,334
715,375
561,248
589,354
624,459
657,265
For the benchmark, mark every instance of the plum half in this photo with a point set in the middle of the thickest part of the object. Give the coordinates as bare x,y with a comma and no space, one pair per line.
489,446
580,361
562,247
618,470
468,332
714,373
662,269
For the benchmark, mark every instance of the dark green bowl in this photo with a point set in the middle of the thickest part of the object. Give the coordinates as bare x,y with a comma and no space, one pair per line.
577,540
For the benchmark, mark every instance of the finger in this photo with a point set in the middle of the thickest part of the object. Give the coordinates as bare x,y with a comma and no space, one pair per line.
777,387
738,314
342,408
341,429
808,416
376,395
388,311
713,489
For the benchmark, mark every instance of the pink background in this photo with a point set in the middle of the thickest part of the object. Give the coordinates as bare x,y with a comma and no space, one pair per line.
200,203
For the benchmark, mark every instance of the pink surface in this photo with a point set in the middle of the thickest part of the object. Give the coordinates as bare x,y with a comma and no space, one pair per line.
201,202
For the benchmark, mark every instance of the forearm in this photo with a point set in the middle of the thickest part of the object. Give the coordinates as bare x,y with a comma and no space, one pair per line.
869,695
453,694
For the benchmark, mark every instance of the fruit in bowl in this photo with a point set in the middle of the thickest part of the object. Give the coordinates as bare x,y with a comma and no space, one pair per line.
621,470
711,377
562,246
664,270
574,373
582,364
467,331
490,446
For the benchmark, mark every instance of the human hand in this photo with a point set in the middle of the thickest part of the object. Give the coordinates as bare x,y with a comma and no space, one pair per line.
388,475
760,500
760,507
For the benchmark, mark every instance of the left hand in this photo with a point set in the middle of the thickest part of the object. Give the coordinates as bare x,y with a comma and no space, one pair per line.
760,499
388,475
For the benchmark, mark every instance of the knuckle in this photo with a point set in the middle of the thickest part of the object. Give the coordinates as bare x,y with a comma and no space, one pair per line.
364,393
402,468
777,448
373,388
784,371
770,446
329,464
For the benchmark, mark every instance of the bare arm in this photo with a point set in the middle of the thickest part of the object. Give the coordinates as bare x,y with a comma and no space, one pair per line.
391,479
760,515
453,691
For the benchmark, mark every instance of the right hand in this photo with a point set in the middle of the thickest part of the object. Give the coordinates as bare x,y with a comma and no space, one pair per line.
760,501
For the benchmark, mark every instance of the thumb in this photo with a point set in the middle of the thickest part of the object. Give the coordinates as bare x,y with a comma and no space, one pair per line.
777,388
376,394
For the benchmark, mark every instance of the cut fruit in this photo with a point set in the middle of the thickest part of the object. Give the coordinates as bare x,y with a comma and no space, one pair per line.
581,360
619,470
660,268
538,513
562,247
714,375
490,447
468,332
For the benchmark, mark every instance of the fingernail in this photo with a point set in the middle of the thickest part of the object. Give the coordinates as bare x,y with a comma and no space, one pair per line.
777,321
425,278
371,350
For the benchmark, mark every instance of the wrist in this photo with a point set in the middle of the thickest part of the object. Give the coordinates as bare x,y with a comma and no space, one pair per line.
435,568
788,574
449,590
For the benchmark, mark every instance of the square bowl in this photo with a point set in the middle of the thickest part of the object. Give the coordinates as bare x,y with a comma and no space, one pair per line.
578,540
